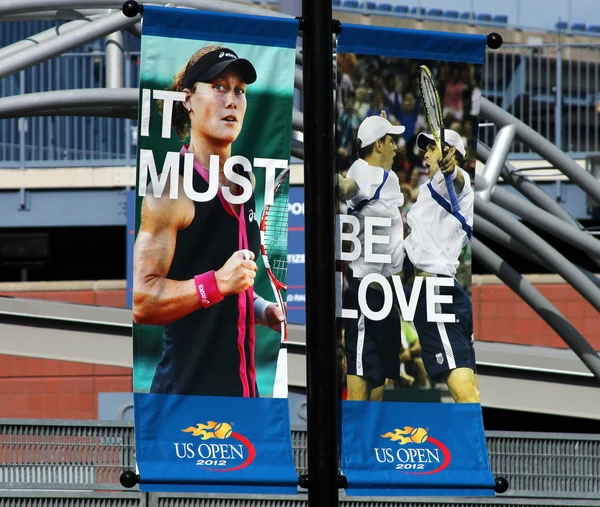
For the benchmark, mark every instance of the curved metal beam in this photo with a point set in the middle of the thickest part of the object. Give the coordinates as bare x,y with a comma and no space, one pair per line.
493,232
543,250
54,15
493,167
544,308
528,188
544,148
11,7
31,104
36,39
54,47
546,221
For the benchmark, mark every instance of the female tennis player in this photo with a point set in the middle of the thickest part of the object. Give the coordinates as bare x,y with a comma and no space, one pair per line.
194,266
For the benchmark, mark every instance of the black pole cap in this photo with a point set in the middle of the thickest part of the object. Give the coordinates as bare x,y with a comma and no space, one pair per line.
129,479
131,8
501,485
494,40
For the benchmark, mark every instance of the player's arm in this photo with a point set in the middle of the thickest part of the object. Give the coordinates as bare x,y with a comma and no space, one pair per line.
158,300
347,187
267,313
449,165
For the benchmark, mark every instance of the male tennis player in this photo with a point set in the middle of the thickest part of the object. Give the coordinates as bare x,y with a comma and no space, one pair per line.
433,246
372,347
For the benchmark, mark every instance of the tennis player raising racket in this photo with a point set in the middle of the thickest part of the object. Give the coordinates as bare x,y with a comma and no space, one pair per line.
438,235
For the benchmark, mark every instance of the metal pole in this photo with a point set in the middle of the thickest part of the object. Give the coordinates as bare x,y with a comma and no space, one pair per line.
543,250
321,361
497,157
558,97
544,220
540,304
10,7
31,104
493,232
545,148
54,47
41,37
528,188
114,60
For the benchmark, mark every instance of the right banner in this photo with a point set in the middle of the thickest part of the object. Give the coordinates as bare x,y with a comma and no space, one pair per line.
407,121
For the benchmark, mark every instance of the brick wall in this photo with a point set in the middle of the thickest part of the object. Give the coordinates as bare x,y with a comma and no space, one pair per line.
40,388
51,389
501,316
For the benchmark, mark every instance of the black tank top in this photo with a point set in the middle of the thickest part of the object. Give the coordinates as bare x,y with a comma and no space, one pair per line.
210,352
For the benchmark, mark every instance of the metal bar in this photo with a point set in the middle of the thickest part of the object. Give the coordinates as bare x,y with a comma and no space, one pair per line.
12,7
528,188
545,148
497,158
321,361
53,47
540,304
31,104
493,232
42,36
558,104
547,222
547,253
114,60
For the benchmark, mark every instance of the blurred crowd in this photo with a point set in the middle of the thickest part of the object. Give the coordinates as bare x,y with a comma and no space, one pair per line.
366,85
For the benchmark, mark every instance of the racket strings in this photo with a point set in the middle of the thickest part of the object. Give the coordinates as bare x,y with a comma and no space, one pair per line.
430,100
276,229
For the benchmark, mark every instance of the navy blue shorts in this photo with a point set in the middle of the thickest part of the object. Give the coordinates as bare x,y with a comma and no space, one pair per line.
372,347
446,346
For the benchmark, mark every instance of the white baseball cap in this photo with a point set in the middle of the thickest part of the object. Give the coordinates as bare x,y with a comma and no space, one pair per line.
374,128
450,136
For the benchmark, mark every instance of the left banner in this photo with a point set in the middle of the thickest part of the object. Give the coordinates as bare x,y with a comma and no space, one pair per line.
210,253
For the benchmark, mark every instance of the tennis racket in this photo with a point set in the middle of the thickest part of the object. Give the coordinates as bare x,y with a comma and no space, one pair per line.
273,247
435,119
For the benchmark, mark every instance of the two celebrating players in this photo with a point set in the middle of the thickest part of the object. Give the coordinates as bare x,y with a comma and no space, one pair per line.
437,236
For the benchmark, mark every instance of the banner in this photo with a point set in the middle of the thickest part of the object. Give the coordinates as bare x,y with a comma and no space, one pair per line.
404,231
210,253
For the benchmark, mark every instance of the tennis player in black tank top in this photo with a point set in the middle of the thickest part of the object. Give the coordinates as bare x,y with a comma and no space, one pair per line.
194,261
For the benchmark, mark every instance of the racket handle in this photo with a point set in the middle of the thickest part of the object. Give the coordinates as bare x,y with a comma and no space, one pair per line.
451,192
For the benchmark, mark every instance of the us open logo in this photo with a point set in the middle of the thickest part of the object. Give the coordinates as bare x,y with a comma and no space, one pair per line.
417,452
229,452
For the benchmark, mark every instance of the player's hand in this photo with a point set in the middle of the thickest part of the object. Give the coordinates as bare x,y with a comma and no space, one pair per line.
448,163
275,317
237,274
405,355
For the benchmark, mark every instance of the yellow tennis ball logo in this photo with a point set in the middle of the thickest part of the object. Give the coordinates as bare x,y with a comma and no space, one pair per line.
222,431
418,435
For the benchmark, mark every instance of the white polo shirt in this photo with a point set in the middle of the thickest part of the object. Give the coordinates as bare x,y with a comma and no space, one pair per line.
437,234
379,196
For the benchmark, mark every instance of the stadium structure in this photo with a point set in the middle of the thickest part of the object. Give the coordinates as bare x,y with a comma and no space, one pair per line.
68,118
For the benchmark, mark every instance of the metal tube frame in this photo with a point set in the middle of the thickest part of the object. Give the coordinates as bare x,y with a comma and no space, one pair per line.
540,304
548,254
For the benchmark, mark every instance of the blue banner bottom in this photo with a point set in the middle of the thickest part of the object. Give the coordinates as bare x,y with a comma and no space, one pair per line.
205,444
414,449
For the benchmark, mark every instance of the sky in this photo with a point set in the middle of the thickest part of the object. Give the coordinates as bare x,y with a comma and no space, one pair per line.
531,13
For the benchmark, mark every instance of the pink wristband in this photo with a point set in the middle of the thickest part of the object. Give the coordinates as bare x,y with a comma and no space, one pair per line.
206,289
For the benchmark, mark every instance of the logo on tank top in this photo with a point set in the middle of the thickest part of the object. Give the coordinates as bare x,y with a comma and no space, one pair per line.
221,449
417,451
251,215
